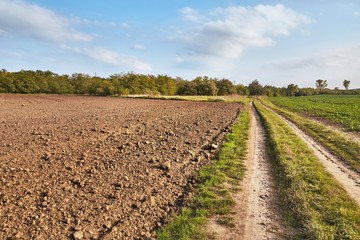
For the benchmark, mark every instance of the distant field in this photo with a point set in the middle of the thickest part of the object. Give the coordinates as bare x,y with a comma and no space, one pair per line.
344,110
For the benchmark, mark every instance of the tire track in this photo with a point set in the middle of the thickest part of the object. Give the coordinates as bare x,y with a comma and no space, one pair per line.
256,213
347,177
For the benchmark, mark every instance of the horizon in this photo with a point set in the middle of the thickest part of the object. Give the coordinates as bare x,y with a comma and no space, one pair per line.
277,42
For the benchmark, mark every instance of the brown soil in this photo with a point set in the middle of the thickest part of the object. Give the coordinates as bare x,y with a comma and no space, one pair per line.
100,167
347,177
256,210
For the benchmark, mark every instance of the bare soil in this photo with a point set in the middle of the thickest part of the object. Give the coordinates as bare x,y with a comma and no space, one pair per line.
347,177
75,167
256,210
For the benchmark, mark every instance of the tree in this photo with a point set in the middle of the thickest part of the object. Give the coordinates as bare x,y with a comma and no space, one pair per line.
346,84
206,86
242,90
255,88
321,84
269,90
292,89
225,87
165,85
187,88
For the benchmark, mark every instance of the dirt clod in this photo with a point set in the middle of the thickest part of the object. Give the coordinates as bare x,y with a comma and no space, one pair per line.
78,235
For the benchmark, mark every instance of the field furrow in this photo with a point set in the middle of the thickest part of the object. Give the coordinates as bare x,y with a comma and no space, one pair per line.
100,167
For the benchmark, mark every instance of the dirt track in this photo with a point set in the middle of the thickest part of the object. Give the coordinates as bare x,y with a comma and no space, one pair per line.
256,211
99,168
347,177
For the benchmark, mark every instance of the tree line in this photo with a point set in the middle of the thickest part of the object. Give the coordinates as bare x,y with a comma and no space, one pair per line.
32,82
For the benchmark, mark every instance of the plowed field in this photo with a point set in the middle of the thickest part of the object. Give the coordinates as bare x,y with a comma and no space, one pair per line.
100,167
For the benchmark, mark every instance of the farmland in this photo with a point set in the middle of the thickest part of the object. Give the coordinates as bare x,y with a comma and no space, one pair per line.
307,196
83,167
341,110
317,202
100,167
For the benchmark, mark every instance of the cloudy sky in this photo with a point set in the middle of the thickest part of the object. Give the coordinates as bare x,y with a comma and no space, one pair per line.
277,42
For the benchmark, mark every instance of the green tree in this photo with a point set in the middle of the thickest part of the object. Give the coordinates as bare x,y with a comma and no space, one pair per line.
81,82
292,90
187,88
7,84
165,85
346,84
321,84
225,87
206,86
269,90
255,88
242,90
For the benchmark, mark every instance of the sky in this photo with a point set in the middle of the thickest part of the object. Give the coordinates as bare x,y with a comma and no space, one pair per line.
276,42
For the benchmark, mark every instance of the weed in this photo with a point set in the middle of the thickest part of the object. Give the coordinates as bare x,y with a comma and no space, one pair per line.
212,195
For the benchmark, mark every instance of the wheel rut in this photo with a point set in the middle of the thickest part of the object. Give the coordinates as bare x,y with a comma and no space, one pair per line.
256,212
347,177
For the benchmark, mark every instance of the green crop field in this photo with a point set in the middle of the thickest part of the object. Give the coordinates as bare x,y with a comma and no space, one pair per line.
344,110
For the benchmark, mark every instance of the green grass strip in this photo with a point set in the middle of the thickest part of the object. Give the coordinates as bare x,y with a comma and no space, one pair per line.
338,109
212,194
340,146
316,202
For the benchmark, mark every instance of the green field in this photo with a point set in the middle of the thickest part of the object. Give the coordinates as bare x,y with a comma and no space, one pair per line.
344,110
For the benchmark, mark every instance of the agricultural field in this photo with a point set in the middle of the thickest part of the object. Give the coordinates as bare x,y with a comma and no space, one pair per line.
341,110
77,167
83,167
316,187
289,187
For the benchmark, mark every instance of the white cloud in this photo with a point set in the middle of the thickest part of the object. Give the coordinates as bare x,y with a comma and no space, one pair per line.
179,60
227,32
98,23
305,32
190,14
106,56
23,19
139,47
334,59
357,13
30,20
333,65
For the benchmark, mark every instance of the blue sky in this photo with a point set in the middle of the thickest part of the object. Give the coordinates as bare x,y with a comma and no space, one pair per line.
276,42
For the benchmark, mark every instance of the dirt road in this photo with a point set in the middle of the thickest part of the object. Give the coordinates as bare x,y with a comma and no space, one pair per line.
256,210
349,179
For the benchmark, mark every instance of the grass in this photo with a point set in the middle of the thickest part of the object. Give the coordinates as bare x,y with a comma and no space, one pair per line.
343,110
314,201
344,148
212,194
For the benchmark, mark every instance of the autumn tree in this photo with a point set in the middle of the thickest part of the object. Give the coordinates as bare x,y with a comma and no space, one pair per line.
346,84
